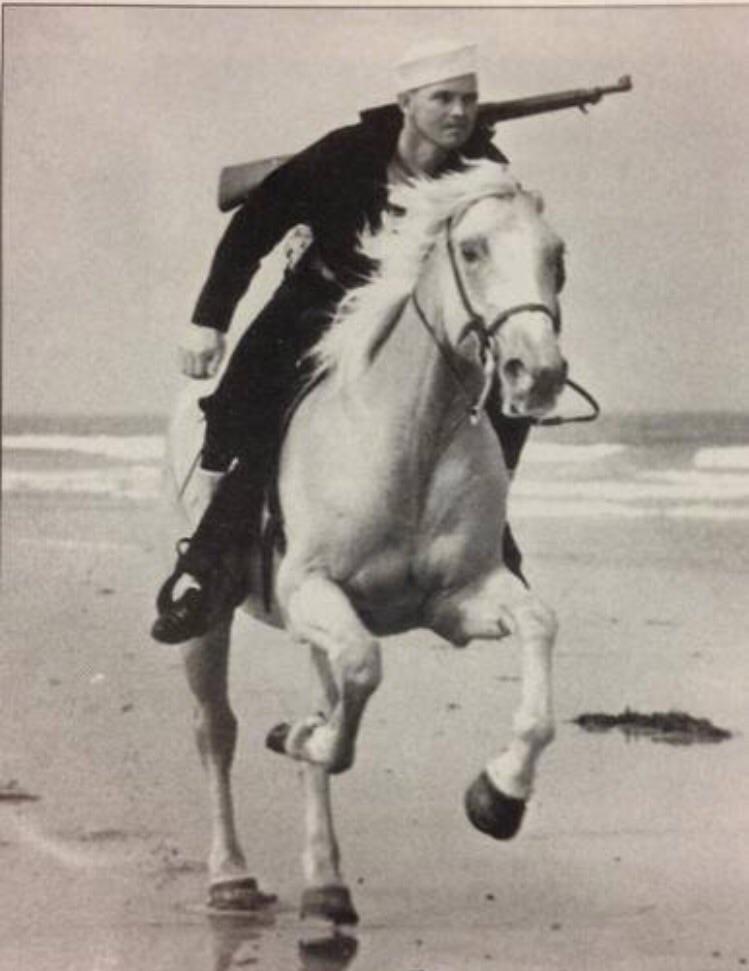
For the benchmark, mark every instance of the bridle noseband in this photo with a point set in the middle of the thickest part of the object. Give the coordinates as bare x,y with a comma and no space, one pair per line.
486,335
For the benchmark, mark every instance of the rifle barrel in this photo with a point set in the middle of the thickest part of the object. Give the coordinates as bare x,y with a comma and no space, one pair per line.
236,181
492,112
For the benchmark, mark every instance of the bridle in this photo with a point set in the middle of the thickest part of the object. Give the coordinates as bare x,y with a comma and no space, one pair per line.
486,334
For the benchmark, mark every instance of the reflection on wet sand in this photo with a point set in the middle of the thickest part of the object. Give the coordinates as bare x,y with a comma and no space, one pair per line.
333,952
237,942
232,934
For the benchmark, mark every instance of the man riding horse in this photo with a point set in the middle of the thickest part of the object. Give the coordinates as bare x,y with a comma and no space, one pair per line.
338,188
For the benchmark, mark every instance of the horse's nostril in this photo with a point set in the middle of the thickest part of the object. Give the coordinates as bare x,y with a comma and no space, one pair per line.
513,368
549,381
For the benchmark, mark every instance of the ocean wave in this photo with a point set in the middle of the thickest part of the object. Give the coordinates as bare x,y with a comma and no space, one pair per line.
120,482
150,448
673,486
554,452
707,511
521,508
145,448
128,448
726,457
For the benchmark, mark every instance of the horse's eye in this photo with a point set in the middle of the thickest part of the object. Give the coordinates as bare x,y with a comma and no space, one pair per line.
472,250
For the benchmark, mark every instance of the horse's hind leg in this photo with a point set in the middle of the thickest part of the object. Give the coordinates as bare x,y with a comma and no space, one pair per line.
206,666
499,605
319,614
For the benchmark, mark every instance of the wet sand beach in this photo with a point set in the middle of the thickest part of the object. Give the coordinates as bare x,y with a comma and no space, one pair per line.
633,853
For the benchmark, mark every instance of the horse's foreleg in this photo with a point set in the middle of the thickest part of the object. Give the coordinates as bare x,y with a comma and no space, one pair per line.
325,894
319,614
500,605
206,664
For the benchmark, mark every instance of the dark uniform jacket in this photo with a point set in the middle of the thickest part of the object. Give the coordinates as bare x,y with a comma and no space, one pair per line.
337,186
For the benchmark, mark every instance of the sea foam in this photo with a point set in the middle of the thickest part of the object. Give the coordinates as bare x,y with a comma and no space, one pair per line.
119,482
553,452
726,457
644,488
128,448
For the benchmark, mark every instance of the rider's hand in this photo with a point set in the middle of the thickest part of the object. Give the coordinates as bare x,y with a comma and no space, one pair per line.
201,350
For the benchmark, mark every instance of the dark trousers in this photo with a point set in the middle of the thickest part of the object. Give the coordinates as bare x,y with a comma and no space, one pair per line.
245,415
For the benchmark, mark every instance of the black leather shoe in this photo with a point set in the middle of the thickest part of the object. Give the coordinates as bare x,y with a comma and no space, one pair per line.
189,616
200,607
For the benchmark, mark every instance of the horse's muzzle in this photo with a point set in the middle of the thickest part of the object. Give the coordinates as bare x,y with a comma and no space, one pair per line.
531,393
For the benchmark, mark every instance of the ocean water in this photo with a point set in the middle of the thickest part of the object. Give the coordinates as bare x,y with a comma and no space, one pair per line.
689,466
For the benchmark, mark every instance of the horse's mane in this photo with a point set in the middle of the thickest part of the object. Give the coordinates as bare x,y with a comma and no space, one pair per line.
367,313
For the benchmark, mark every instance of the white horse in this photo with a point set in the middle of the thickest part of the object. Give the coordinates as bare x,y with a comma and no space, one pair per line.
393,495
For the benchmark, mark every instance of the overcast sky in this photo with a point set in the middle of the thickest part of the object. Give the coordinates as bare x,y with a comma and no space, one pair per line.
118,120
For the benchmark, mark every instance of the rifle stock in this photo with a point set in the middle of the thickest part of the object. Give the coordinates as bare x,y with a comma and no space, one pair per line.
237,181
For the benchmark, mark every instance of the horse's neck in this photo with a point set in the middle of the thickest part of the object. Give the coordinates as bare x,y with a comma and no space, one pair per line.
417,391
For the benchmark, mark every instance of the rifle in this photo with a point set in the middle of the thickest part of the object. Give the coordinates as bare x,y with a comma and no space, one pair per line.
237,181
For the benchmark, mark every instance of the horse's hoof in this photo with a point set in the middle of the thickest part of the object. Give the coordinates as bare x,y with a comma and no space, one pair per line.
239,896
275,740
329,903
293,740
492,811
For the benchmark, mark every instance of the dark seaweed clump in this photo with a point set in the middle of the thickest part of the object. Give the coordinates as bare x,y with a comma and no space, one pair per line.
12,792
674,727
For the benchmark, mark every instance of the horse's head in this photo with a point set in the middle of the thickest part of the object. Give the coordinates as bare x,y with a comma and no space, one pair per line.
500,281
474,253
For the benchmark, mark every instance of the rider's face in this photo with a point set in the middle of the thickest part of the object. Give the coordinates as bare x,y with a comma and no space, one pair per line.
443,113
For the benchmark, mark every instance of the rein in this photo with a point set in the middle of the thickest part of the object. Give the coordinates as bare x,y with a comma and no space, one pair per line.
488,349
595,408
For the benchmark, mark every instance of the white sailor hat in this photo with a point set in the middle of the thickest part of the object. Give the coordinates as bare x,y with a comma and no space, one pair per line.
434,61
